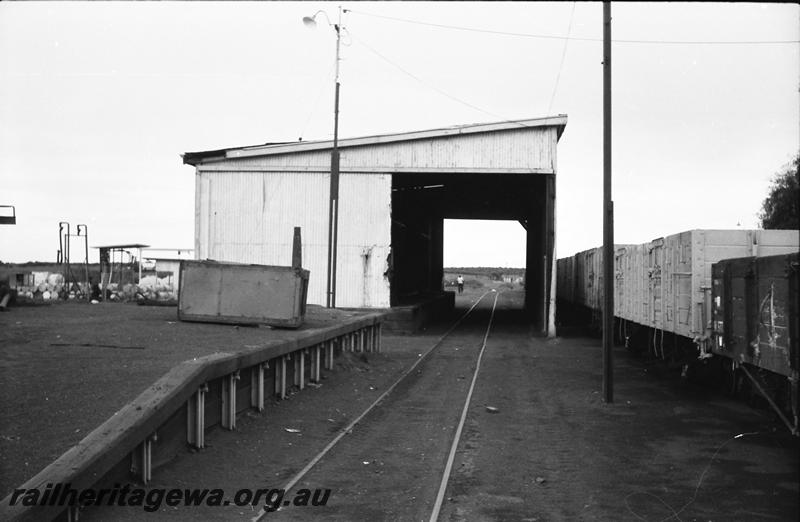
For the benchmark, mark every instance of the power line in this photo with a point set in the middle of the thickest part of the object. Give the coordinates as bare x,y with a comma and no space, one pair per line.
440,91
420,80
577,39
316,100
563,55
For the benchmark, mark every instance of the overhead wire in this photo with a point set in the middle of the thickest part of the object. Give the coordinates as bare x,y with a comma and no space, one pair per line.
423,82
346,42
563,56
316,101
574,38
565,38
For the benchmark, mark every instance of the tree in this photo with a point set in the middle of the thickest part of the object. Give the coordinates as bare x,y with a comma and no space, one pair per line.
780,209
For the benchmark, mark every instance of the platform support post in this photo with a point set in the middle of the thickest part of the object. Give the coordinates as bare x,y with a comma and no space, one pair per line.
142,459
257,386
300,368
228,419
329,349
196,418
280,378
315,357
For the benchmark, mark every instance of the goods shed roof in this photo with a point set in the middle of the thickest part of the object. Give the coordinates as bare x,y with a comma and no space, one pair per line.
195,158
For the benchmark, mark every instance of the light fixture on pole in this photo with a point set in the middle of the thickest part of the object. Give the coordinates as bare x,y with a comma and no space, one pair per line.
333,208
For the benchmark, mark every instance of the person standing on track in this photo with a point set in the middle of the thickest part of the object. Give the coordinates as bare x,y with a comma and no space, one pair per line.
460,282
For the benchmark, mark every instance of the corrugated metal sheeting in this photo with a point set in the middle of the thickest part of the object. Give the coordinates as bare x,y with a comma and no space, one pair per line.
365,237
524,148
666,283
249,217
248,200
533,148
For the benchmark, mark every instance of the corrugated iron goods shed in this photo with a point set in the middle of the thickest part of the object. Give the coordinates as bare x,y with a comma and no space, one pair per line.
395,190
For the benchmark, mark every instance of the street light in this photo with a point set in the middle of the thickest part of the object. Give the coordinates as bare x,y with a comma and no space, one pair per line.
333,208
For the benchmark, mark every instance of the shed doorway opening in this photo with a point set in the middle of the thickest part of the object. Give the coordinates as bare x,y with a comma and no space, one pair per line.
522,204
488,254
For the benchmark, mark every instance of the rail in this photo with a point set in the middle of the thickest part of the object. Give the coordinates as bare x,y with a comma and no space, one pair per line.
316,459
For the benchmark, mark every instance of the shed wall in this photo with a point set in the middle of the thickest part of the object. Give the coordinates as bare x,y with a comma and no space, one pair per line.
249,217
248,203
528,148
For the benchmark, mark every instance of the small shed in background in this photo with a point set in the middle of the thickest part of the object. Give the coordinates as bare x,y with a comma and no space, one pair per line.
165,265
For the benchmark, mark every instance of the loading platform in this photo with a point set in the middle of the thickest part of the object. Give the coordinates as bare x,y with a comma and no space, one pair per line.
142,385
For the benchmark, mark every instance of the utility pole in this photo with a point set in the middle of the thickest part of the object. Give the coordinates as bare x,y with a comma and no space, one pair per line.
333,208
608,217
333,204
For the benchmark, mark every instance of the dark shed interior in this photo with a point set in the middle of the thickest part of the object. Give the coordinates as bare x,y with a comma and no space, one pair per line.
421,203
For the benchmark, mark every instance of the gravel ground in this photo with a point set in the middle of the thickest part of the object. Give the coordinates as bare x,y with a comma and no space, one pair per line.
67,367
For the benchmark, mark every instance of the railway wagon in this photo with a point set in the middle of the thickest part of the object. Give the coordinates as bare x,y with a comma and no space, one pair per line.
731,293
665,285
755,311
756,322
579,281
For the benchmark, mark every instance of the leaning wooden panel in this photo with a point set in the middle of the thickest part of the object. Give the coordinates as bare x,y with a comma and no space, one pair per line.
217,292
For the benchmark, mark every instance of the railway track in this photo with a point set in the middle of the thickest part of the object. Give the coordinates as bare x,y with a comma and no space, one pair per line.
379,445
406,396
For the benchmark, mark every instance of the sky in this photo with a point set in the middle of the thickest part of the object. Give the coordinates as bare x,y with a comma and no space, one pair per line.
98,101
